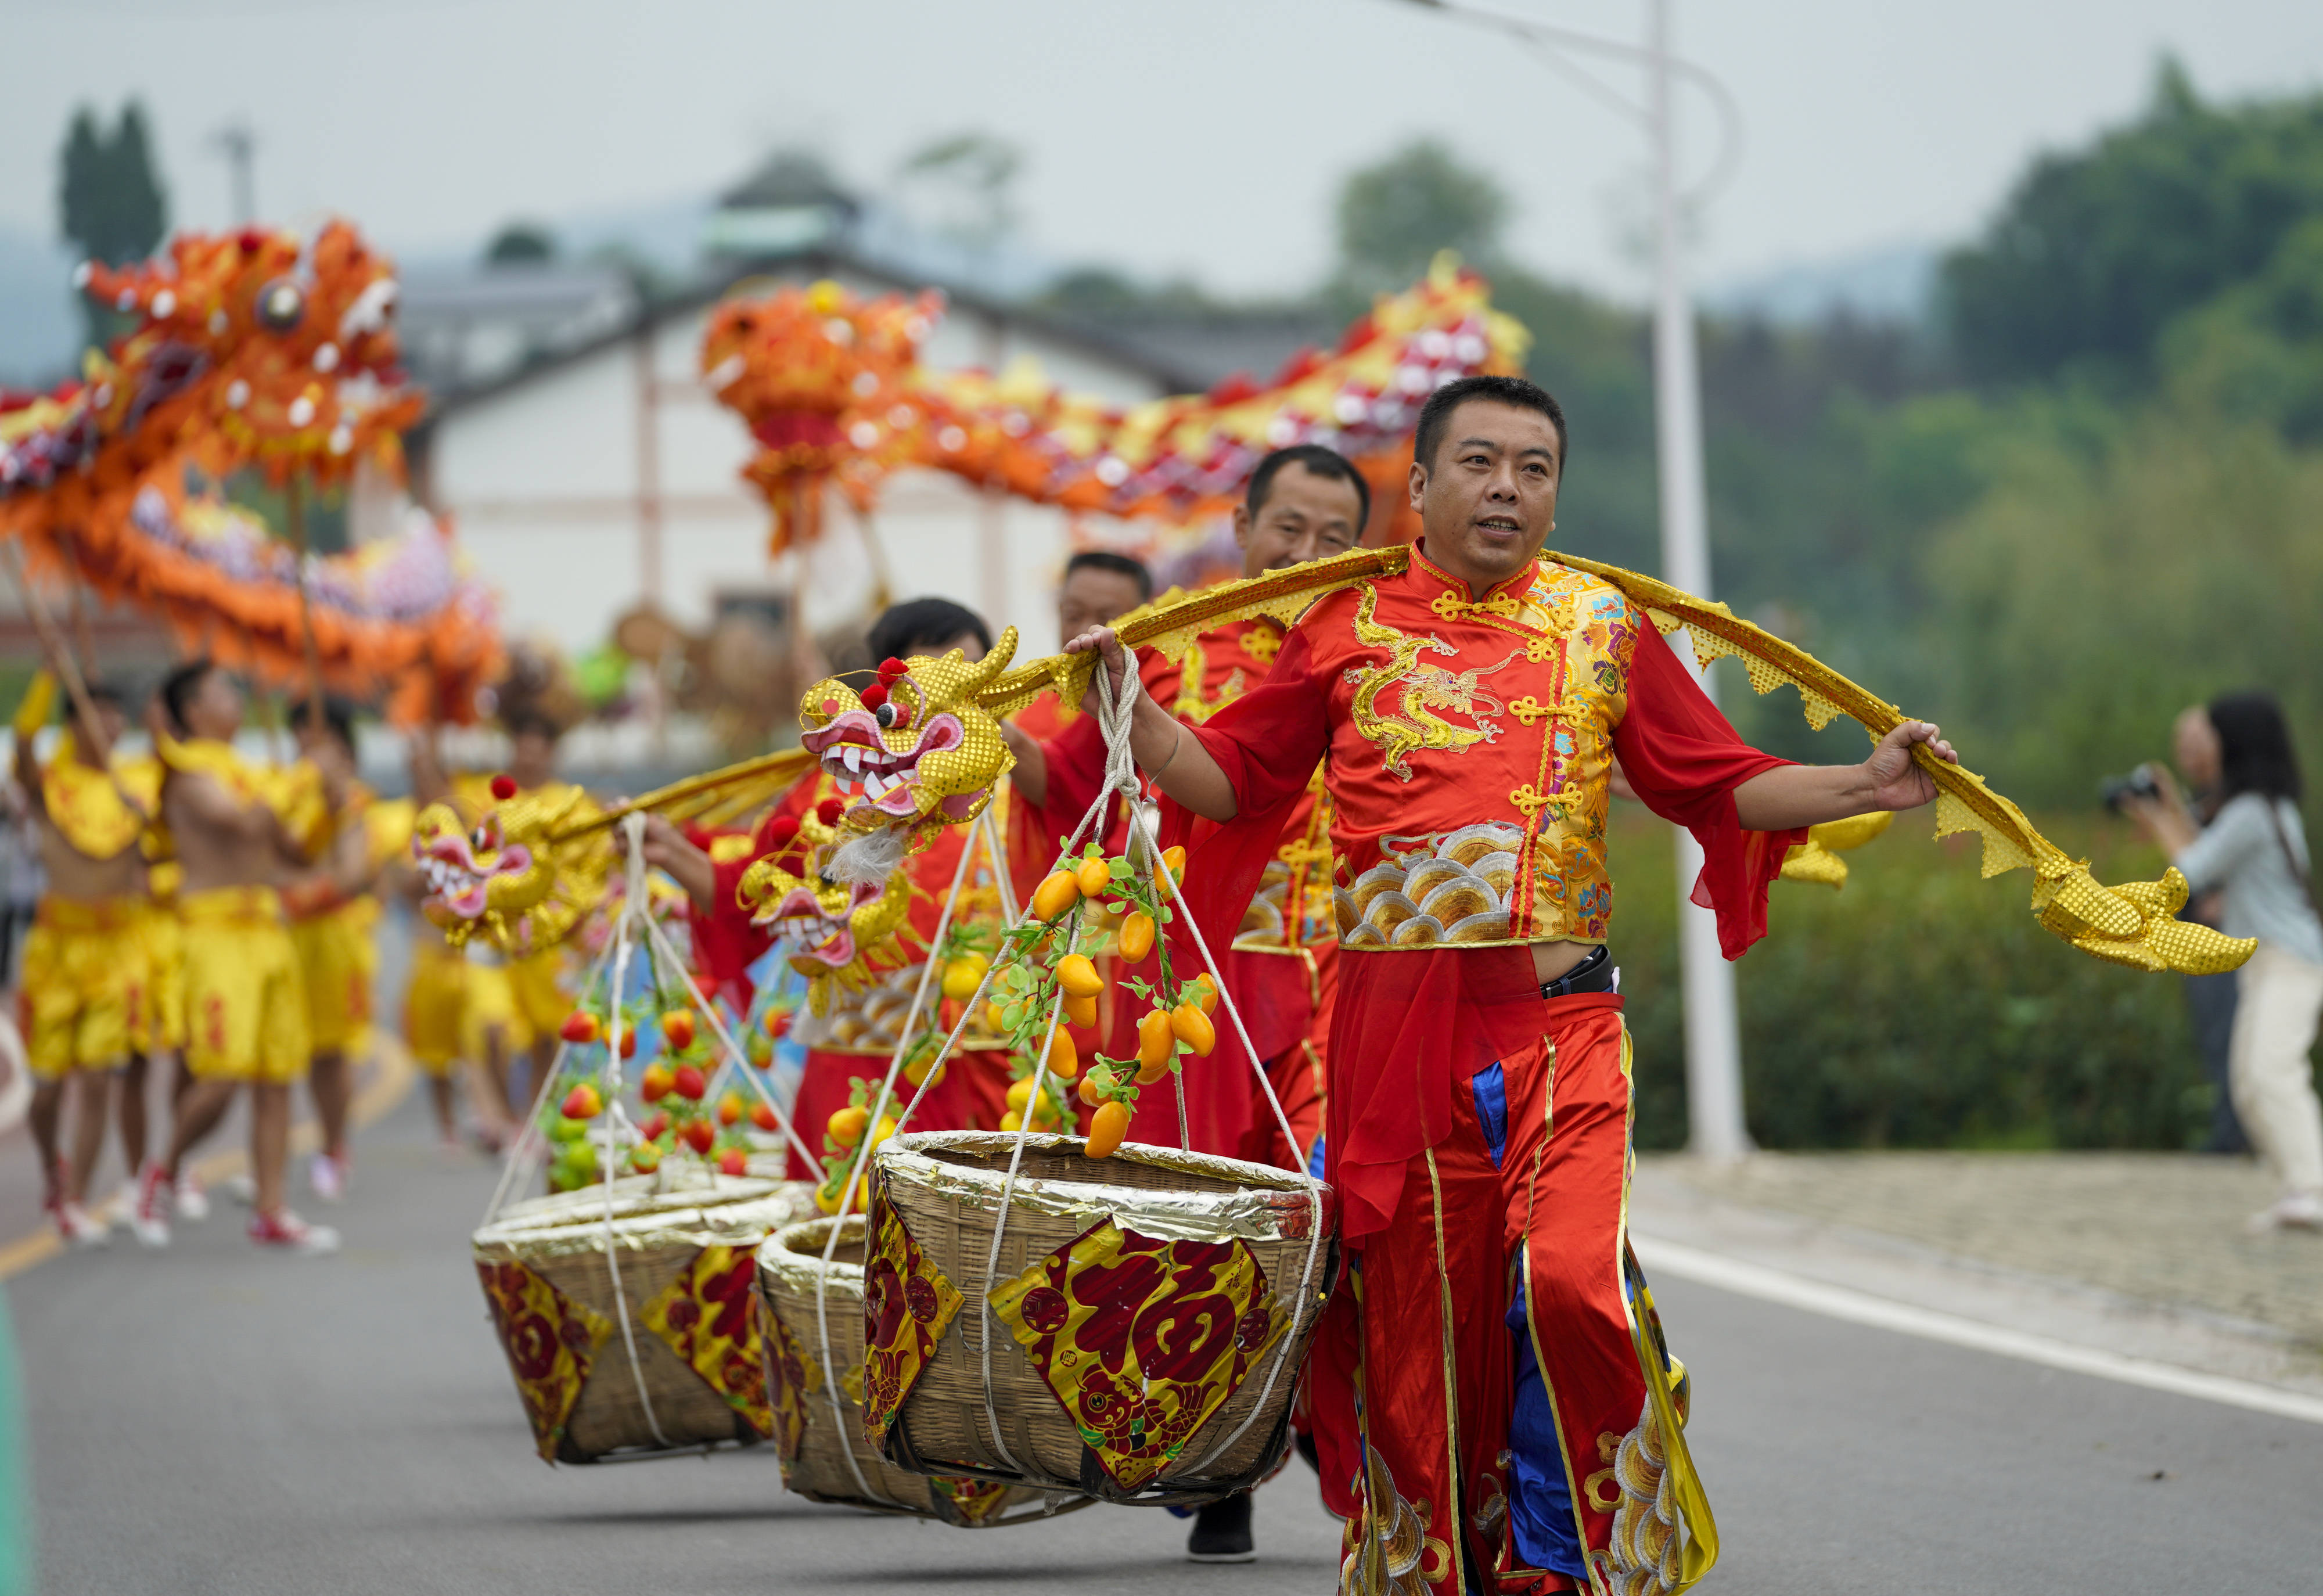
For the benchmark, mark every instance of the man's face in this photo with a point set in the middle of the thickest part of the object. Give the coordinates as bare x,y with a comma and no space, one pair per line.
1306,516
216,707
1091,597
970,646
532,758
112,721
1488,501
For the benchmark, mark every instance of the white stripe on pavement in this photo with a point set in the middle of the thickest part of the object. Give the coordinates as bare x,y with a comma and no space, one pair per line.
1841,1302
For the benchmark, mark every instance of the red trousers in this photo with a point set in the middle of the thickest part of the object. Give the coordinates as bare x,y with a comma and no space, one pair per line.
1493,1406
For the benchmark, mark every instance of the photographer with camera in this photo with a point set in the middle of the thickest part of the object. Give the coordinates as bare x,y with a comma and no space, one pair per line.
2255,855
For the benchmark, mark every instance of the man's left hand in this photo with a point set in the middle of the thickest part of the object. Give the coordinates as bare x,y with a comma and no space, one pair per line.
1895,778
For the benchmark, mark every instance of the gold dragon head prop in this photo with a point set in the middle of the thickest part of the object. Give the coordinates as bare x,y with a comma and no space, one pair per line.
914,751
513,875
833,926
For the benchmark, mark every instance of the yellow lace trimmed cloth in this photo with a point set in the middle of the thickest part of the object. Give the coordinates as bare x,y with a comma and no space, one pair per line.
88,806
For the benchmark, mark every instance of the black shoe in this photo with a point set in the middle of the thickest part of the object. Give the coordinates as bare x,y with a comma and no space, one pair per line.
1222,1533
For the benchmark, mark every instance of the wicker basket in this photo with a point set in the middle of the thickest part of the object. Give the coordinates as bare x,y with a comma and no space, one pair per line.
1181,1395
548,1271
814,1443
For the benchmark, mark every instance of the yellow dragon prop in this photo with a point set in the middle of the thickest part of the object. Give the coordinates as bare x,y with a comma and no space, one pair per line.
920,749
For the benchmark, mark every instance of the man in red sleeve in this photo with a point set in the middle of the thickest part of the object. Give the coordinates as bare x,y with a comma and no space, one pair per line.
1302,503
1496,1407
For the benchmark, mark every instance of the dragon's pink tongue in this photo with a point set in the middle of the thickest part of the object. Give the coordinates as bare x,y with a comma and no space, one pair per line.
959,804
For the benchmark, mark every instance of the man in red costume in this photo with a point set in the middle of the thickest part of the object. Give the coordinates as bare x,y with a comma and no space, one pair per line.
1496,1407
1302,503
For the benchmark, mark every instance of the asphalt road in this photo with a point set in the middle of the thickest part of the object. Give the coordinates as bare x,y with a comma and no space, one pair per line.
212,1420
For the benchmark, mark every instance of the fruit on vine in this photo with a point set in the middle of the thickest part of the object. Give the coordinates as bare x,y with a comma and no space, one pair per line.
629,1042
1205,992
1081,1012
1056,894
762,1115
1136,936
846,1126
1093,876
644,1158
689,1083
1107,1127
777,1022
1094,1087
733,1162
580,1028
655,1084
1078,976
652,1128
699,1135
677,1029
1156,1043
1064,1058
994,1018
1193,1028
1173,860
583,1102
963,976
730,1109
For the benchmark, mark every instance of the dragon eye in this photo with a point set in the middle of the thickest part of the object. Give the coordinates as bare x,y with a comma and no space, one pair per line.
476,840
885,714
281,305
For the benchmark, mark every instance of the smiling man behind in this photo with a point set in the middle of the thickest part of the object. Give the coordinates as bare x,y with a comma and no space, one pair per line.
1517,1400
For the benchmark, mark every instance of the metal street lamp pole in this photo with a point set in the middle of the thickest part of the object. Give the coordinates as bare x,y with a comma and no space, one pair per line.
1714,1041
1714,1044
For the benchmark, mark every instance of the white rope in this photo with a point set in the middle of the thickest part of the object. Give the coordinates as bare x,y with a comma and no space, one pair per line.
633,827
855,1173
528,1135
1114,712
735,1060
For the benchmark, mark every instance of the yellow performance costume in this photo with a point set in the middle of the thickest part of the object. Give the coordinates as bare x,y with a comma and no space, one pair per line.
85,988
245,1002
535,999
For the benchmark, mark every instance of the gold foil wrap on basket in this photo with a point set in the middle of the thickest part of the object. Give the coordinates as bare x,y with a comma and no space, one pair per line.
658,1233
814,1445
1231,1263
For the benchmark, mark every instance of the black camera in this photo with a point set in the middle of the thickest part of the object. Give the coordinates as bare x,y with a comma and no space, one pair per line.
2138,783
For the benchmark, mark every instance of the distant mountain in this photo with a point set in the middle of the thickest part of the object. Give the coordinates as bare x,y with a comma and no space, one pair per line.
1896,282
39,324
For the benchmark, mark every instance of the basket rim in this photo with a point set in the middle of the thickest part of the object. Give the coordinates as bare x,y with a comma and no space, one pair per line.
797,1266
699,1216
1261,1202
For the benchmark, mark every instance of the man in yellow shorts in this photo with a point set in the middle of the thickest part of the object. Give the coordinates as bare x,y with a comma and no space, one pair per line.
333,920
245,1006
83,974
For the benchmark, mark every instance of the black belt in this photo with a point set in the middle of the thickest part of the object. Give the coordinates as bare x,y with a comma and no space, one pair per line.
1593,974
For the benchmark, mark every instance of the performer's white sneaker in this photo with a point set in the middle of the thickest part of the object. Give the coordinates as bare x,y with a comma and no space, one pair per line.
149,1216
287,1230
328,1179
193,1202
76,1227
2301,1210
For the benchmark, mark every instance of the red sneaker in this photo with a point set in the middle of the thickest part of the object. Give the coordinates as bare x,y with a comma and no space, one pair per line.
286,1230
149,1218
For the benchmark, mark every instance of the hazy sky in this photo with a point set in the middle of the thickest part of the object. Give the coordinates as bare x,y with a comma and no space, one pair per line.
1203,135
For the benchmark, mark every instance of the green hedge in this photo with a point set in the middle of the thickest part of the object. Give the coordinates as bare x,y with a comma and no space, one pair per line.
1918,1006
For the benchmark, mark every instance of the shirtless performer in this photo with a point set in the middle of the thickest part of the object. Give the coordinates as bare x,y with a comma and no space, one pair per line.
332,918
84,976
245,1010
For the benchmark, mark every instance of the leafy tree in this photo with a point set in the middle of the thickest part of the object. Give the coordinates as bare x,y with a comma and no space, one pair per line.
963,184
1396,214
110,203
2094,251
521,244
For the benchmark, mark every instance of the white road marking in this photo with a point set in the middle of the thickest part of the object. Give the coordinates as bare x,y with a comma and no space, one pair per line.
1840,1302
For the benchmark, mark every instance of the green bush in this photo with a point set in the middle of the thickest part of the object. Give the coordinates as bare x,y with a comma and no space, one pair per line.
1918,1006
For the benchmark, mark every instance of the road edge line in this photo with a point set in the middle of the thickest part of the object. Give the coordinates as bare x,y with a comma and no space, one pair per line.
1861,1308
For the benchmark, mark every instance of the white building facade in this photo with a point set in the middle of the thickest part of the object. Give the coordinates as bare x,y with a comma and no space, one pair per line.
607,475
